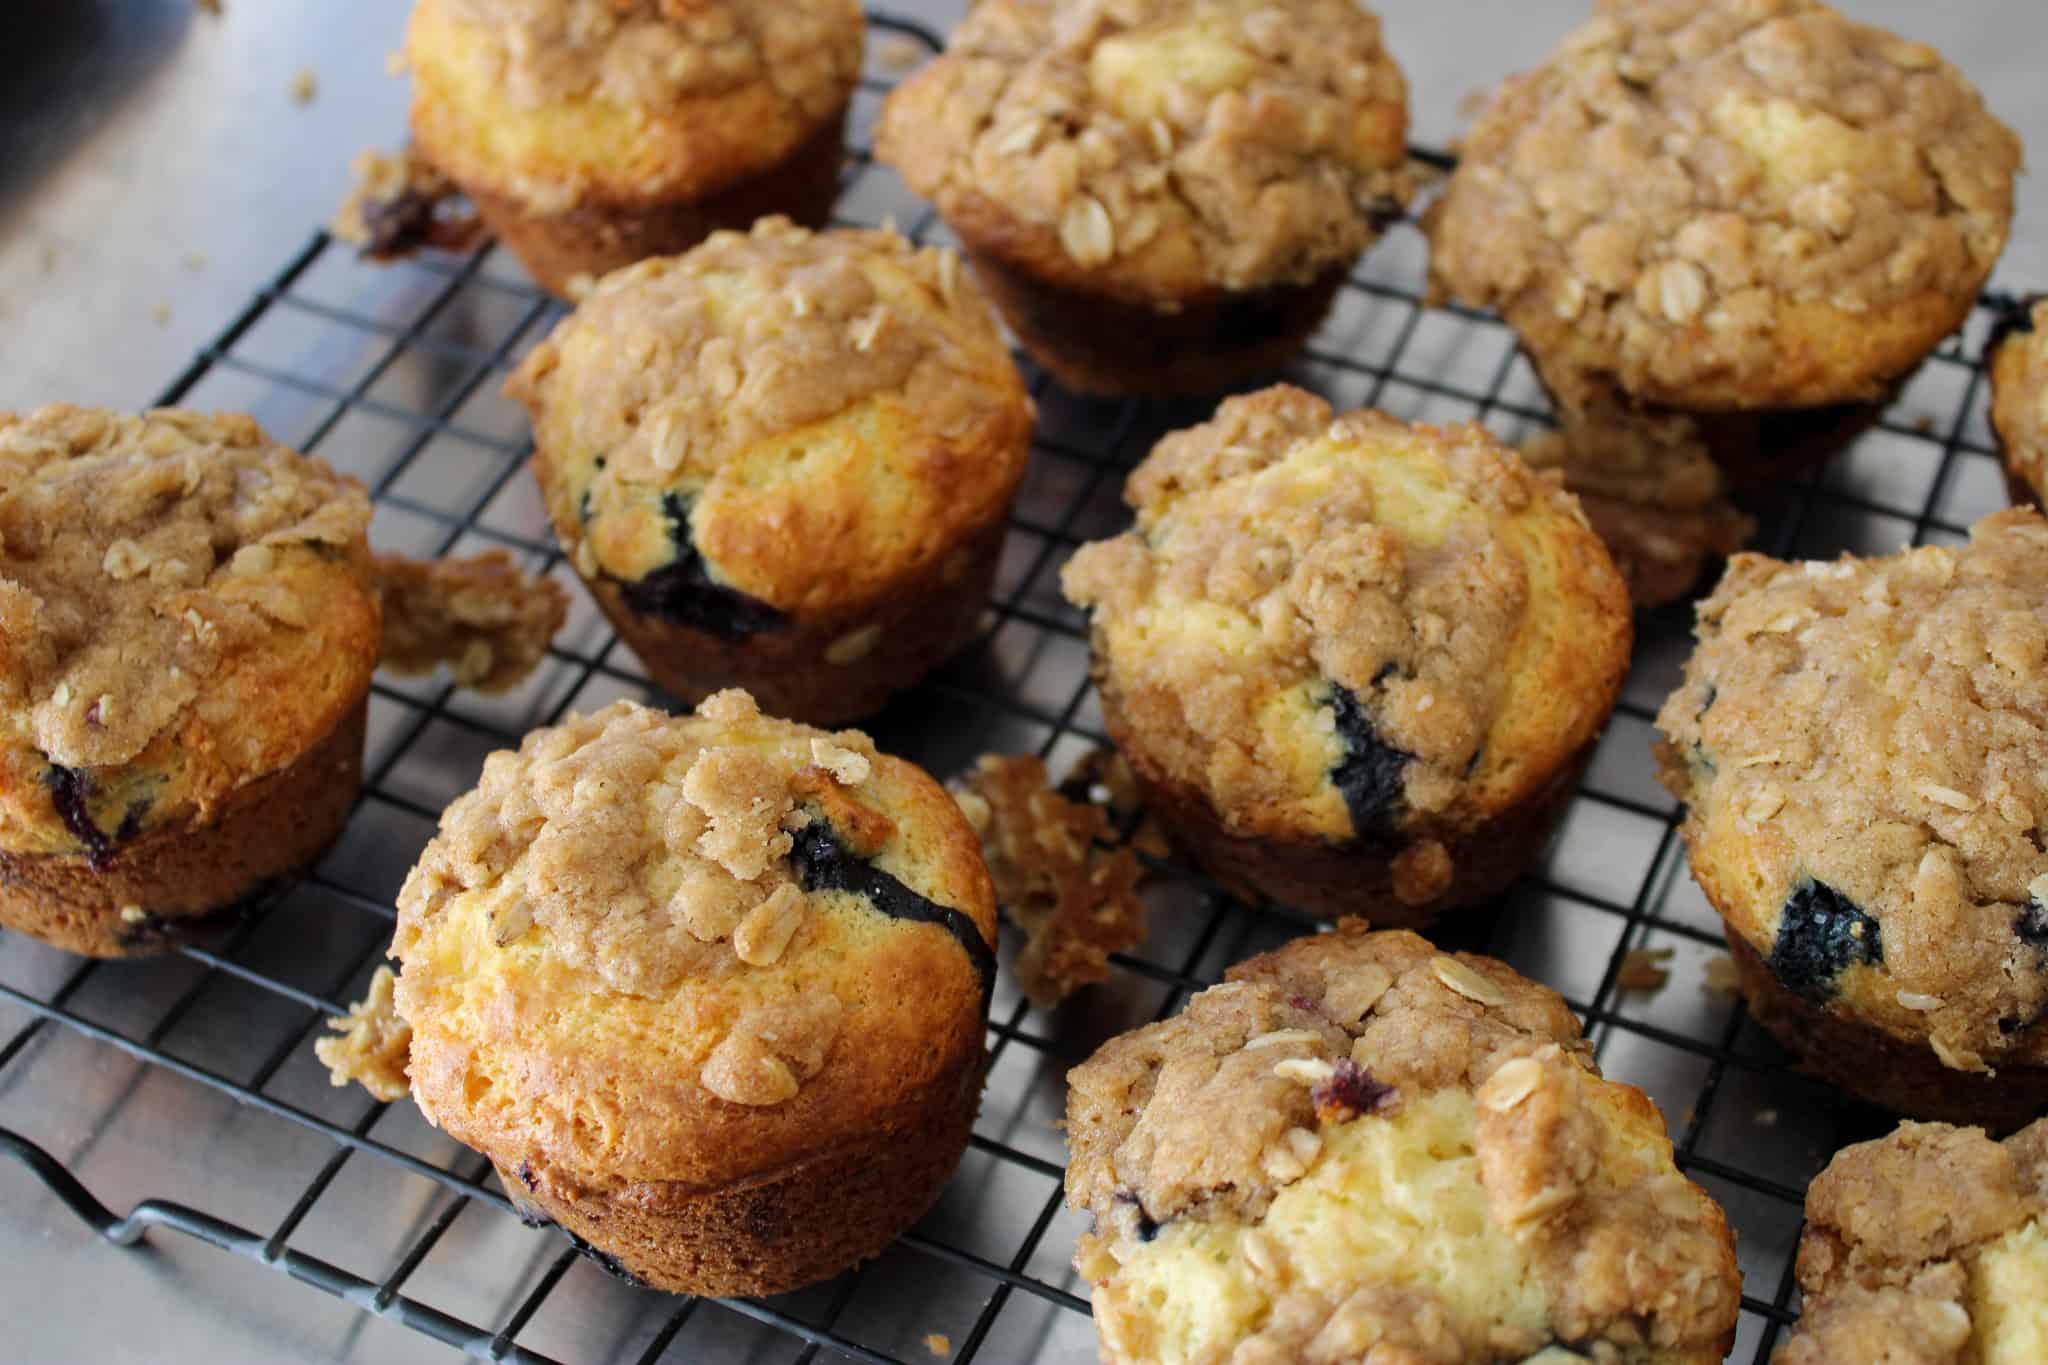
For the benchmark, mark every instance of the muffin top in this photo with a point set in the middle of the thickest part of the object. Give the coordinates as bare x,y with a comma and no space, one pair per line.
1359,1142
1351,627
1862,748
1926,1247
1729,205
2019,393
655,948
1159,149
800,420
185,606
563,101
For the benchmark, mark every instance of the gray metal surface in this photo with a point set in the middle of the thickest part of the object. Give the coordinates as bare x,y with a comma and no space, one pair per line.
153,156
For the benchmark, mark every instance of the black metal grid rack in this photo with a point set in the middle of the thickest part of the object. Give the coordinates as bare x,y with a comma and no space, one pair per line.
392,373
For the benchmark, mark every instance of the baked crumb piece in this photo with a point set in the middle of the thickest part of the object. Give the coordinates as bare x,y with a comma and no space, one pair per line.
900,53
481,616
210,6
1644,969
938,1343
400,204
373,1045
1720,977
305,87
1075,900
1103,777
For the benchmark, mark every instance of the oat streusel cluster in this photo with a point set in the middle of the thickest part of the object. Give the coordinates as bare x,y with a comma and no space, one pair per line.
1162,147
1926,1247
184,606
1863,745
1671,203
1362,1148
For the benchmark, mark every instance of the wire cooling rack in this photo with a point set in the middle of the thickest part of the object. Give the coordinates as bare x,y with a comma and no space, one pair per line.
192,1076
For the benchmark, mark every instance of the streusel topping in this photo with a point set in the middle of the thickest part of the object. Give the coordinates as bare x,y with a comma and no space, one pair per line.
654,54
1271,558
1521,1199
2019,395
1165,145
140,557
701,378
1681,169
1925,1247
1879,728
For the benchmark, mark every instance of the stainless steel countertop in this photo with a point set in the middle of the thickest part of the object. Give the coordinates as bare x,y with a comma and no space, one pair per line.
154,171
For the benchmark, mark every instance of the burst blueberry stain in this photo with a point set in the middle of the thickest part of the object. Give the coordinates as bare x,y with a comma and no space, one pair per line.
823,863
1821,934
684,592
1369,775
2031,924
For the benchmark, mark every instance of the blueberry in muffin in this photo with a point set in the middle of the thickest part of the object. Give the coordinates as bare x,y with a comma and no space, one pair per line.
783,461
594,133
1926,1247
1357,665
707,990
1162,196
188,625
1360,1149
1735,226
1862,748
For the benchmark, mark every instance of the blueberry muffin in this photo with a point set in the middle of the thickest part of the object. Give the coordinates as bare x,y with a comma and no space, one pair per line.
1862,749
1926,1247
594,133
783,461
1362,1149
1356,665
708,991
2017,359
1162,196
188,626
1749,219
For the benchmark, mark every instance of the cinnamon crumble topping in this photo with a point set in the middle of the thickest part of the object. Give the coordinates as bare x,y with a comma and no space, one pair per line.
481,616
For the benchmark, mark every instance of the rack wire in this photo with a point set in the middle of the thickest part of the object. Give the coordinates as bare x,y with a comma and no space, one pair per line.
391,374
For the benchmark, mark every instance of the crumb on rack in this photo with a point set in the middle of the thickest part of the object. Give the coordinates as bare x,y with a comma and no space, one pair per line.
399,204
210,6
1103,777
195,261
1644,969
938,1343
305,87
1720,976
1074,897
374,1044
162,313
482,616
898,53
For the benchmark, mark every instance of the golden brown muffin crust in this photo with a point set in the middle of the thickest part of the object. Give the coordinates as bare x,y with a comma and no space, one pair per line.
1215,1114
1157,149
613,961
1278,551
2019,398
185,606
1897,1230
836,410
1720,204
562,102
1879,728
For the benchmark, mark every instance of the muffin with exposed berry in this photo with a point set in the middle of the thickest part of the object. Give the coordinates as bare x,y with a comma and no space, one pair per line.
783,461
1362,1149
1357,665
1862,749
709,991
1164,195
594,133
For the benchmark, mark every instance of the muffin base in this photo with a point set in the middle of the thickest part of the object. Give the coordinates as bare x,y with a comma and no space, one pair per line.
595,238
793,672
1116,348
767,1235
1329,881
1879,1069
183,879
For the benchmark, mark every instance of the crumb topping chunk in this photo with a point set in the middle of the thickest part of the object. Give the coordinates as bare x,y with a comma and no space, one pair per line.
484,618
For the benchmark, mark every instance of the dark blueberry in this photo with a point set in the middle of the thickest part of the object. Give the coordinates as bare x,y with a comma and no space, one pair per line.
2031,924
1350,1092
684,592
527,1177
1147,1227
70,791
1821,934
2015,317
408,220
825,864
1369,774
